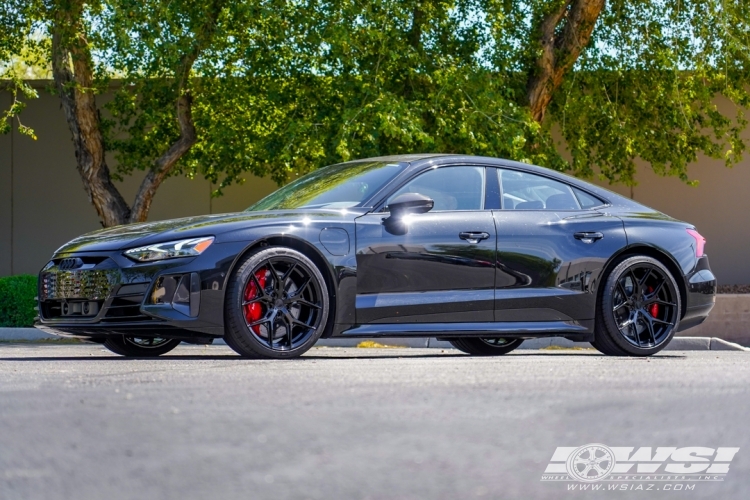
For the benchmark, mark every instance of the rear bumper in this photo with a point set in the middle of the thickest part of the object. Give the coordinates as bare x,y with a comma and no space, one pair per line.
700,297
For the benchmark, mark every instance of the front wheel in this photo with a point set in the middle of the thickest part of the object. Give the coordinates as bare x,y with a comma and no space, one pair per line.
485,346
276,304
140,347
639,311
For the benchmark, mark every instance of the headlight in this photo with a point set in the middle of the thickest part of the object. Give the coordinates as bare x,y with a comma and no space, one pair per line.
170,249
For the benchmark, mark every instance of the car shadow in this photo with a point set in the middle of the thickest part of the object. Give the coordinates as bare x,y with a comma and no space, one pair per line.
305,358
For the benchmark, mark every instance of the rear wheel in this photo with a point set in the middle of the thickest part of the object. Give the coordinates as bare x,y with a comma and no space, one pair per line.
640,308
140,346
276,304
485,346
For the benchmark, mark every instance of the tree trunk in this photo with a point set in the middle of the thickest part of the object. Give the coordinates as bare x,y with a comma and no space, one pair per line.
72,69
72,72
164,165
166,162
559,52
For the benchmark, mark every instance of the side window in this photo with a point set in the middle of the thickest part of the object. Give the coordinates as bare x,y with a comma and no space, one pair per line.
451,188
524,191
586,200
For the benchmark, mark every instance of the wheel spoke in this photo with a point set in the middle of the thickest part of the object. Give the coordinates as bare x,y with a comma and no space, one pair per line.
305,303
289,272
301,289
645,277
289,334
650,326
636,286
301,323
622,290
657,289
662,302
256,323
634,328
253,301
618,307
275,274
260,289
657,320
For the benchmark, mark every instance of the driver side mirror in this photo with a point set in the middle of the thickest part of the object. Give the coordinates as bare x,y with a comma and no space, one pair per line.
410,203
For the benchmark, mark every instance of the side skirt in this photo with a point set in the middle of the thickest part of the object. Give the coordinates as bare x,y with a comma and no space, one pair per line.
519,329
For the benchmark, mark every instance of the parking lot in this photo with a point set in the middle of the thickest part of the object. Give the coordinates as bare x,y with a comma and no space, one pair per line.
78,422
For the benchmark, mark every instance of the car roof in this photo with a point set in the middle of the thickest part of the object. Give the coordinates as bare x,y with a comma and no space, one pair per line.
406,158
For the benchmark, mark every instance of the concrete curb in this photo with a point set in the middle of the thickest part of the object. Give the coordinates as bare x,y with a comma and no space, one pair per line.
24,335
9,335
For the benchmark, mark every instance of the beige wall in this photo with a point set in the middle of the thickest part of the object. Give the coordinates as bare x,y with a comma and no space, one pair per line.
43,205
719,207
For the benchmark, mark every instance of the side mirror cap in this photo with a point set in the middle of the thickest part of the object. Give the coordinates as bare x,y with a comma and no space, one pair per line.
410,203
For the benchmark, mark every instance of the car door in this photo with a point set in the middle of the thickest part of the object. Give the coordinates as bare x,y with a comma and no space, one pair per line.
436,266
552,247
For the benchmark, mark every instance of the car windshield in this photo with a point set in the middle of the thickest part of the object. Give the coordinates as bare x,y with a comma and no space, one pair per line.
337,186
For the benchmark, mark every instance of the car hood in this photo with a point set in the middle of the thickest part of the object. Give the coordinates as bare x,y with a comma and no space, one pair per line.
133,235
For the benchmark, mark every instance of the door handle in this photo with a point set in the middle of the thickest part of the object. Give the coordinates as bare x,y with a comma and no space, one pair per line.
473,236
588,237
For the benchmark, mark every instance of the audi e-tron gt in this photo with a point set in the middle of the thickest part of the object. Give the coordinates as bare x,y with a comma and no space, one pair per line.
481,252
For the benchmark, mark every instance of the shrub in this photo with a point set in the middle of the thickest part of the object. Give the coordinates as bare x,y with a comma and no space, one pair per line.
17,302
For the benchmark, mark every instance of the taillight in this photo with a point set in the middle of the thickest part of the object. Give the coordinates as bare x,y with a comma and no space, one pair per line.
700,242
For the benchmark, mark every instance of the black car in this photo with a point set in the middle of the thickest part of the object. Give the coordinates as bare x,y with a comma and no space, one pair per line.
481,252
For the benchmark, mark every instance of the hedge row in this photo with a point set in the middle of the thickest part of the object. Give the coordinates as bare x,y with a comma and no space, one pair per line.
17,302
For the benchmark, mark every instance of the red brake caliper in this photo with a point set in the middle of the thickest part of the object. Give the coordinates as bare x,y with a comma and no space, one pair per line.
254,311
653,310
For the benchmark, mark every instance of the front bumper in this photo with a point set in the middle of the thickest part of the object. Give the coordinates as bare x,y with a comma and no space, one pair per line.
700,288
97,294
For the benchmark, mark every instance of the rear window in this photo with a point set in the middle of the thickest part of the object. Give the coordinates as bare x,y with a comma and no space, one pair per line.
525,191
586,200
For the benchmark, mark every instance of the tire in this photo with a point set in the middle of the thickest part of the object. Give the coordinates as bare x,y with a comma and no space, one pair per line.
276,306
639,309
485,347
140,347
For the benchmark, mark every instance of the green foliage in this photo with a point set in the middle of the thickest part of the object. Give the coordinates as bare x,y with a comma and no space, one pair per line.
24,53
17,294
662,82
360,80
280,87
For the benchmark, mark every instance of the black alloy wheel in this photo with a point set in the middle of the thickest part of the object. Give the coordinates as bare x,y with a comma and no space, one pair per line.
276,304
640,309
494,346
144,347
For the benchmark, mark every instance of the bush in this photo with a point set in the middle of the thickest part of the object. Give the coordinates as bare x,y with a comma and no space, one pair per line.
17,302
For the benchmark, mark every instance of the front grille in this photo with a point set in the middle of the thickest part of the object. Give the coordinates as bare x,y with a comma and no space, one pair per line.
85,262
87,294
85,284
126,306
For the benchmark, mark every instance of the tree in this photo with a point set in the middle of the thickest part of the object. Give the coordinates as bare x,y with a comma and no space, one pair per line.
280,88
73,68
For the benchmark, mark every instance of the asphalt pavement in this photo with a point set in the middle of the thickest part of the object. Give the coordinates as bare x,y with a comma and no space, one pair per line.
201,423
